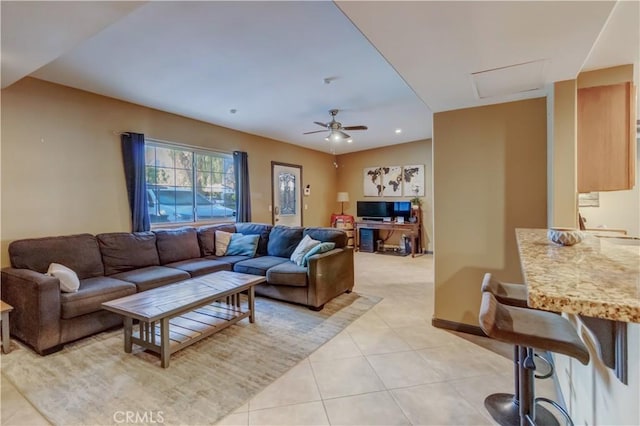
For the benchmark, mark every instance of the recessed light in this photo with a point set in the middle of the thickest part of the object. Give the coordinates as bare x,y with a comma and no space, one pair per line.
233,110
398,131
349,140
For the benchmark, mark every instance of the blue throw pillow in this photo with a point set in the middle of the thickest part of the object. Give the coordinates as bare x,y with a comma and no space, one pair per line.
320,248
243,245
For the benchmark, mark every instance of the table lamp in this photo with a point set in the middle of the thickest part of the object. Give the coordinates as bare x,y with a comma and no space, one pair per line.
342,197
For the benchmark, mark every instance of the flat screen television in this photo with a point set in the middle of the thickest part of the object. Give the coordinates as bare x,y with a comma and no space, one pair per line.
374,209
382,209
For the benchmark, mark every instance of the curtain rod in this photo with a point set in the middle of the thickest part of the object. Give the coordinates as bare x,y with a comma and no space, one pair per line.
171,143
184,145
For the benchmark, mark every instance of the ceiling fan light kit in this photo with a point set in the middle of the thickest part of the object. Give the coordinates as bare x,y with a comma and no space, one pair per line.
336,129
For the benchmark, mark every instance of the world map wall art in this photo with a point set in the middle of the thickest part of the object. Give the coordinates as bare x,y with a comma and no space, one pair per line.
394,181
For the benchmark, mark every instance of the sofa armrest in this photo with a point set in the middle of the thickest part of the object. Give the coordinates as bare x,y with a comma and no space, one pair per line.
35,298
330,274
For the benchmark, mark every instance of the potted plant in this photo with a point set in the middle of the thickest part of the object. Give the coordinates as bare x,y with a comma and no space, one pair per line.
416,202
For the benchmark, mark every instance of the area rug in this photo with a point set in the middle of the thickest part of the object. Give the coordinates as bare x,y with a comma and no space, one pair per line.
94,382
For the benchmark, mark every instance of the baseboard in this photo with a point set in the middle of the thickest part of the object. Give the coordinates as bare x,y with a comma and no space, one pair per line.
457,326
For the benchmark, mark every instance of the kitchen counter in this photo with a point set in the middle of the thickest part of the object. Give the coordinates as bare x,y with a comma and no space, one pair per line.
594,278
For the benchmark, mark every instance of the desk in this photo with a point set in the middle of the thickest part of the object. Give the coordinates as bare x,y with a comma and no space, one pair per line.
413,230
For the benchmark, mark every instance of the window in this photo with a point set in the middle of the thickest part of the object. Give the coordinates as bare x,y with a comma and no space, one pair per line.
189,185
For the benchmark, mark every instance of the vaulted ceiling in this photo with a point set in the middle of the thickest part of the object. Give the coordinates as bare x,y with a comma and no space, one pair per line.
282,65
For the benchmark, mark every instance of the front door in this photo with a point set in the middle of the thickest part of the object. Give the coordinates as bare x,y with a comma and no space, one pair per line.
286,189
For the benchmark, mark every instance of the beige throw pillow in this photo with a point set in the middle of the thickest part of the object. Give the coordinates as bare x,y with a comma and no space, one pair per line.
222,242
69,282
306,244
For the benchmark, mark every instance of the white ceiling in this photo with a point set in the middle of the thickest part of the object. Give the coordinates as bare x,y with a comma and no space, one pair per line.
268,60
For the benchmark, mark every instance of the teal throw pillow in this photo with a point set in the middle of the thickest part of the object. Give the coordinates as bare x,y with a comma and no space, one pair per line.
320,248
243,245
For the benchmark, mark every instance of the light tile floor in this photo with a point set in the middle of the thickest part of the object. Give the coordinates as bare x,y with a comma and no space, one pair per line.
390,367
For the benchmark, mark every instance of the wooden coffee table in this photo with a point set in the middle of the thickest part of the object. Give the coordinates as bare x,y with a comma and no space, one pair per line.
186,312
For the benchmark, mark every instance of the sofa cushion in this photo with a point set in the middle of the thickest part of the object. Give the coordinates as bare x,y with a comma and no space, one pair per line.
92,292
258,265
287,273
262,229
175,245
283,240
306,244
197,267
124,251
242,245
79,252
331,235
69,282
152,276
229,259
207,237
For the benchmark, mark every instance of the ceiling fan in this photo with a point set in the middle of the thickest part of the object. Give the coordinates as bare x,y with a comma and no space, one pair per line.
336,130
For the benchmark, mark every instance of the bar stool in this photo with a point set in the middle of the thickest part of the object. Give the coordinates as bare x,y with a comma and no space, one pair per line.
505,407
530,328
506,293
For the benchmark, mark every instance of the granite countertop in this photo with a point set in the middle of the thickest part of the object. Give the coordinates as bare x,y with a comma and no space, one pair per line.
596,277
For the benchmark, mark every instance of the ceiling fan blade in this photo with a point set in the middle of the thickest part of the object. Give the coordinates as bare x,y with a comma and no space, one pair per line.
321,124
343,134
355,128
315,131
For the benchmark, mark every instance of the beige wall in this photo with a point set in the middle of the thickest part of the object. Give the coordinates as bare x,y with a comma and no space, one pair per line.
351,178
490,177
62,165
563,155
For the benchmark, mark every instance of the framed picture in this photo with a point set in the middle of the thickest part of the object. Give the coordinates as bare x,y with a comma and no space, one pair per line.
413,180
373,181
392,181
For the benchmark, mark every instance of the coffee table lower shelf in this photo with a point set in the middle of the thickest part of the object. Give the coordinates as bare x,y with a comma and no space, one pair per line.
182,330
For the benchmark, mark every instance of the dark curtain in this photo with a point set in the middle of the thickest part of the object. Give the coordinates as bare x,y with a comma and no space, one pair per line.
134,174
243,198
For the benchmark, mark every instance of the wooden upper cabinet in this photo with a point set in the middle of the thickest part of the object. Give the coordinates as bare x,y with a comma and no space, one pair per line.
606,138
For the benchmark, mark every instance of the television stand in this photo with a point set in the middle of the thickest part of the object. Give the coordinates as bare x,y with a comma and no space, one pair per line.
412,230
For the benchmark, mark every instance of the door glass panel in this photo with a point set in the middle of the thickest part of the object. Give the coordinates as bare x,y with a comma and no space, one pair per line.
287,190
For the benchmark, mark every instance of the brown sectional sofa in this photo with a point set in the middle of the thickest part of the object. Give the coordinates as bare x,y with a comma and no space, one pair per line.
114,265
